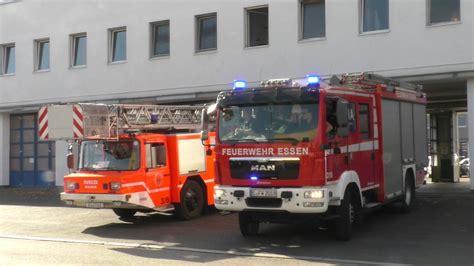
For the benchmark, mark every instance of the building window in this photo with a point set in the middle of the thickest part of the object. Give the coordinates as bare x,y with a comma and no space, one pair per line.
313,19
118,45
206,32
42,55
8,61
257,26
160,38
374,15
79,50
443,11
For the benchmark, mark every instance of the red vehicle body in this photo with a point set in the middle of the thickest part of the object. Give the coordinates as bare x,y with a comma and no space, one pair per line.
366,147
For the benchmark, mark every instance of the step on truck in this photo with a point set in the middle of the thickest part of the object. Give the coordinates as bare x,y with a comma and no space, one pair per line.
133,158
303,148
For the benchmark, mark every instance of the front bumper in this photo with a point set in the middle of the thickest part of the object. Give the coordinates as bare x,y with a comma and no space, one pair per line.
98,201
297,203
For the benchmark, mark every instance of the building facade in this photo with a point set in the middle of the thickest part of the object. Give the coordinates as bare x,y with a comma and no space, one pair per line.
186,51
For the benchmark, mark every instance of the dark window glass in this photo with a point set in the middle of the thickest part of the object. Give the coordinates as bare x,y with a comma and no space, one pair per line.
119,45
314,19
207,33
257,20
161,39
364,121
80,51
9,60
43,57
444,11
375,15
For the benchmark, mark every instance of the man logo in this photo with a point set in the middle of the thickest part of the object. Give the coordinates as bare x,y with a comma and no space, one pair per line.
263,168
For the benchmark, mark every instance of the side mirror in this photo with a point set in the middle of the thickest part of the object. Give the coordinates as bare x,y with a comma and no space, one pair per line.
204,136
204,119
70,161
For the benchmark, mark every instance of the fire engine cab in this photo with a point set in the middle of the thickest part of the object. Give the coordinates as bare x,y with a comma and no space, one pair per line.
305,148
133,158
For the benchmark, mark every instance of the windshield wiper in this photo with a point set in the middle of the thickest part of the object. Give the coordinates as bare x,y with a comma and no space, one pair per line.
293,140
235,141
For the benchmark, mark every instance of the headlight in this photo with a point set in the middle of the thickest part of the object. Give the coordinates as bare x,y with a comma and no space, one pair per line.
219,193
314,194
72,185
115,185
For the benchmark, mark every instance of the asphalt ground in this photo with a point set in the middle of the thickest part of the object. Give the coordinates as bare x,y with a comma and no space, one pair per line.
439,230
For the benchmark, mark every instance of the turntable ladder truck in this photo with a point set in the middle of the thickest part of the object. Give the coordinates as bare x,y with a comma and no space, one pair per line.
133,158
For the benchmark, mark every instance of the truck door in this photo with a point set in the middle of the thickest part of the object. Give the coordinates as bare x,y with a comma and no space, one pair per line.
158,173
364,157
337,156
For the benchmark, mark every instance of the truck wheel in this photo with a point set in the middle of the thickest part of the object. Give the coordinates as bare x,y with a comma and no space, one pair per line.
192,201
409,195
248,226
125,213
346,217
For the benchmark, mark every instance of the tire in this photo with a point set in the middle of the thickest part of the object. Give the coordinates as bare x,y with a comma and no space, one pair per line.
409,194
124,213
346,217
191,201
248,226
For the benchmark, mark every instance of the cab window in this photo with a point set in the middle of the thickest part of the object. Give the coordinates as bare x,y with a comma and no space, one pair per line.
155,155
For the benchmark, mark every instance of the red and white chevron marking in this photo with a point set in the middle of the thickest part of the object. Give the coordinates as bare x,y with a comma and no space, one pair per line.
78,121
43,123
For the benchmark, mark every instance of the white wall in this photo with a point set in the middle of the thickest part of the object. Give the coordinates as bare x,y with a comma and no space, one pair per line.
409,48
61,162
4,149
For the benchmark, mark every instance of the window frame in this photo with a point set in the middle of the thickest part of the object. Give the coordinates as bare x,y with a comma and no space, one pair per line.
150,160
72,55
3,59
359,114
431,24
152,38
111,45
247,26
361,20
301,4
37,61
197,34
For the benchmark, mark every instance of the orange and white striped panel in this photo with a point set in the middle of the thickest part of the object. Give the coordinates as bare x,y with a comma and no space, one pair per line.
43,123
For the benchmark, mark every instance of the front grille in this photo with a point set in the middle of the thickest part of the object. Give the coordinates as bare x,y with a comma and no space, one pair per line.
264,202
265,168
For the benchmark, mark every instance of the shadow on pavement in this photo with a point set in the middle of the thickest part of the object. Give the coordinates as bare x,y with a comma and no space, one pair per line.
438,230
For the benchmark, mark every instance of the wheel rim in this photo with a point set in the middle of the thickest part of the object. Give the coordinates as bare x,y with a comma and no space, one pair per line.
192,201
408,194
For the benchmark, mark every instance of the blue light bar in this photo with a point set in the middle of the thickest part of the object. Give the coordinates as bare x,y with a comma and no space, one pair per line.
240,84
253,178
312,79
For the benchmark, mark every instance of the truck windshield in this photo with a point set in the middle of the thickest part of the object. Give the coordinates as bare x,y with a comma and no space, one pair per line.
268,123
109,155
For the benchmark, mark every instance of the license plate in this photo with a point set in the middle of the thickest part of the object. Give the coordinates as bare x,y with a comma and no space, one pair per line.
263,193
95,205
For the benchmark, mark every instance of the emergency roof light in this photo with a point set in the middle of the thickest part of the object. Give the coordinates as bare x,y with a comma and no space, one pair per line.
313,80
240,84
253,178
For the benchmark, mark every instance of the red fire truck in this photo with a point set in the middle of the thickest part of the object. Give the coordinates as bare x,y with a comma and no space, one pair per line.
133,158
303,148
